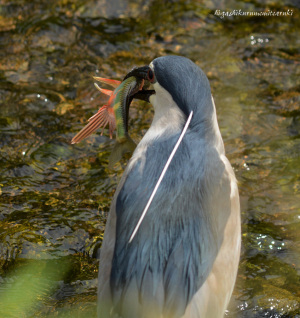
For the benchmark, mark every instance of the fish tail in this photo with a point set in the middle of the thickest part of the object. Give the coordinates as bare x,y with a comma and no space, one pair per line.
120,148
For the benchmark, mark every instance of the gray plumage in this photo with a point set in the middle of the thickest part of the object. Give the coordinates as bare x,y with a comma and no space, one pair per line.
183,260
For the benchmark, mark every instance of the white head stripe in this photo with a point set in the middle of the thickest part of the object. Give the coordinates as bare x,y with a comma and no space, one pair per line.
162,175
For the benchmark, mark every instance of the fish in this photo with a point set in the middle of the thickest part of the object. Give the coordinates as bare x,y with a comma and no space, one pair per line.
115,114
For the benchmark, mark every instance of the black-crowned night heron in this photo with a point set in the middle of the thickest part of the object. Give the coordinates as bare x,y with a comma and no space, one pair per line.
183,259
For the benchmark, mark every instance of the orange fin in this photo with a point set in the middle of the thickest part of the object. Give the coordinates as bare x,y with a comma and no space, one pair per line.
102,90
113,83
104,116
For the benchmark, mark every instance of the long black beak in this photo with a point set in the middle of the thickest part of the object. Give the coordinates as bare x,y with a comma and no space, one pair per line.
141,73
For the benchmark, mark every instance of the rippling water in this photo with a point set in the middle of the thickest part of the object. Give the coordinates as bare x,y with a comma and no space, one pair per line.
54,197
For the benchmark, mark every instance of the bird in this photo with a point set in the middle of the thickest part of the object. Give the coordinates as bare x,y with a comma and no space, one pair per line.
182,261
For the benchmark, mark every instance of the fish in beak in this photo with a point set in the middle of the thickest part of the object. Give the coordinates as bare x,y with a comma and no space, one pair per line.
115,112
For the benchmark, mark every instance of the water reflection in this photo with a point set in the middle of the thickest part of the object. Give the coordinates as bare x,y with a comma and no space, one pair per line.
54,197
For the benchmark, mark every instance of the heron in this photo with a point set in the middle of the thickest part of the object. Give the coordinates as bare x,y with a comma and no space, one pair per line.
182,261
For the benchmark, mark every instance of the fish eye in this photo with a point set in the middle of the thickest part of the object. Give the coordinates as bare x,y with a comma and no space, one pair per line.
150,76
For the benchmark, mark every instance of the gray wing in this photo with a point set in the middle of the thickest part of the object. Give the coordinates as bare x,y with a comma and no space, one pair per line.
162,269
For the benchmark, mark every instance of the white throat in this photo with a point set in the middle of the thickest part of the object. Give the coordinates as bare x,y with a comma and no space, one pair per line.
168,120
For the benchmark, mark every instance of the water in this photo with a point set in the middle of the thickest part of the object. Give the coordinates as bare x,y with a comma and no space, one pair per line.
54,197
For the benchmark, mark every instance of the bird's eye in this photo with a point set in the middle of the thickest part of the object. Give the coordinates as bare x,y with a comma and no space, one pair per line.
150,76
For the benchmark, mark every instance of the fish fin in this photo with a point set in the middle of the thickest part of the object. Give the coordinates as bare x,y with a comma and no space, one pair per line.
113,83
120,149
104,116
99,113
103,90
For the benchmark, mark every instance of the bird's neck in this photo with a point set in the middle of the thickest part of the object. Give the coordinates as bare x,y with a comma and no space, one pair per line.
168,118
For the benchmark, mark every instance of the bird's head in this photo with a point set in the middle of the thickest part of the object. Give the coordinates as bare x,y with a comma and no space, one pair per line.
178,79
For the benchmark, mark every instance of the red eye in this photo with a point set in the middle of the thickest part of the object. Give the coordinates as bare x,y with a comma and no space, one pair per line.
150,75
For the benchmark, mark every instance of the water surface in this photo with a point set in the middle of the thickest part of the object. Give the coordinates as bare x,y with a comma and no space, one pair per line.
54,197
